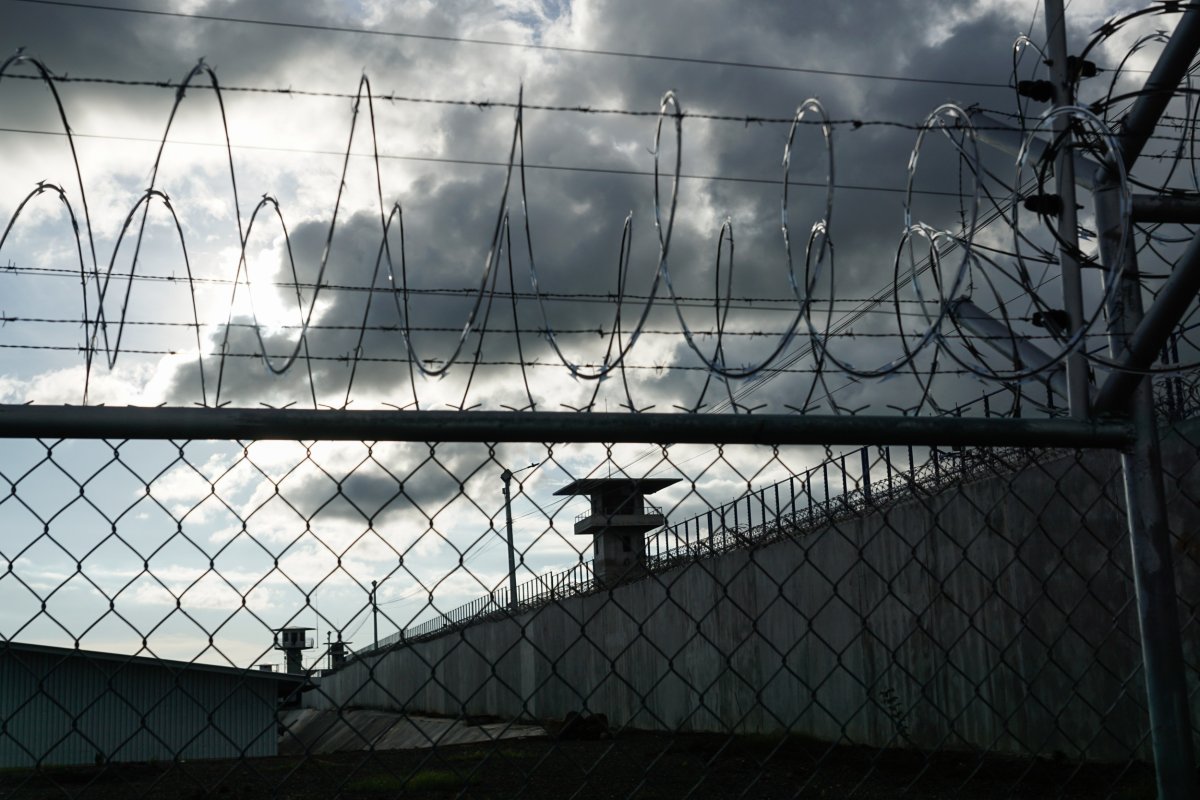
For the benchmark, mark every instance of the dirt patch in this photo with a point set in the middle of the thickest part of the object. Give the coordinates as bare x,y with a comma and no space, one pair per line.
314,732
639,765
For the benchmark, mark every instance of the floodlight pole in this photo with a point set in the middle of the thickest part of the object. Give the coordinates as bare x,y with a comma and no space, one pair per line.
506,476
375,613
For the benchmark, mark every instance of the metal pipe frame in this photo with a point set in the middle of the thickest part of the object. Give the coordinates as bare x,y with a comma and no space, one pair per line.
1151,208
1145,342
1007,138
1160,87
999,337
1142,347
1145,498
246,424
1149,534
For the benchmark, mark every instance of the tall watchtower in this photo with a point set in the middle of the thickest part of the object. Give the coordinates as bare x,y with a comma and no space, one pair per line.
618,521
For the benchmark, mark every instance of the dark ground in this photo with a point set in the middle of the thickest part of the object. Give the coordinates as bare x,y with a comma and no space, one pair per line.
631,765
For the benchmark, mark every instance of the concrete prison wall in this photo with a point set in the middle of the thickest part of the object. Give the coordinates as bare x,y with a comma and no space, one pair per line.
999,614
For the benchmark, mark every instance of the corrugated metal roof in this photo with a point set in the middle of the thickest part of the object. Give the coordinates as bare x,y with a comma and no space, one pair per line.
65,706
165,663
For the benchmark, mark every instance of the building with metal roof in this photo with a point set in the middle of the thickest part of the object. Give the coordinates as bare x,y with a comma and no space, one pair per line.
65,706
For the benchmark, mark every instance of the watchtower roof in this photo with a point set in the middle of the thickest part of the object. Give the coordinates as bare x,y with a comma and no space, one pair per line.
630,486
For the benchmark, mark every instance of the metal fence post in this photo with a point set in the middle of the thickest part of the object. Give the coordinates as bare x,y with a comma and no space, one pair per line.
1149,537
1068,226
1154,582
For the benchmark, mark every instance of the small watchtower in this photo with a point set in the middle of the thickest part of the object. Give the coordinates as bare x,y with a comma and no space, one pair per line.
293,642
337,653
618,521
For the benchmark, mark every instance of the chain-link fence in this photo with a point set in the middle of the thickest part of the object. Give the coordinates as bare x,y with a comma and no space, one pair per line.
343,602
335,618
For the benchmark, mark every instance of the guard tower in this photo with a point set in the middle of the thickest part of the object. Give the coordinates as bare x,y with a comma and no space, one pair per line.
293,642
337,653
618,521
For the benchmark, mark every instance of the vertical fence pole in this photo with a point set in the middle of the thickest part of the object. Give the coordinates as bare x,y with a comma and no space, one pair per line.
1154,582
1149,537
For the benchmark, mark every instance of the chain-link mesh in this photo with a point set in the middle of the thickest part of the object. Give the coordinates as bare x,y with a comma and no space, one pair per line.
311,620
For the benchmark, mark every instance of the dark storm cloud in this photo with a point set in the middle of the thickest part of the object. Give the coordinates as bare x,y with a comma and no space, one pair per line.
418,481
575,217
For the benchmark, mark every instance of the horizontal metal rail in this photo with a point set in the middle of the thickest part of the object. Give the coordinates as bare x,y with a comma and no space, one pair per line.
109,422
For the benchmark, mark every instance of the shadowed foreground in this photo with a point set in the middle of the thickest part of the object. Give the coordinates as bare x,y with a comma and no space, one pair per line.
632,764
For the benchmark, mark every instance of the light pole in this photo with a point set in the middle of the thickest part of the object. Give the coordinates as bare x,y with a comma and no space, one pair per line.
375,613
507,476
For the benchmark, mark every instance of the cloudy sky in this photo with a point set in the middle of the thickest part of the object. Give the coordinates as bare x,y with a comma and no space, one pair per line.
432,151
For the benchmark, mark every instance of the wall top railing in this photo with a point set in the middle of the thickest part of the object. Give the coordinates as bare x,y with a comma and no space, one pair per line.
646,509
783,509
793,506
